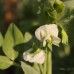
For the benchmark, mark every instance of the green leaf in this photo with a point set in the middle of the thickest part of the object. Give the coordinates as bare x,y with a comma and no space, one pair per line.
13,37
28,69
5,62
52,14
58,5
49,4
1,39
27,37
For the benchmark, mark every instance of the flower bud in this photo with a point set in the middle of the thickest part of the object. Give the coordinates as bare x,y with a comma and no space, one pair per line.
64,37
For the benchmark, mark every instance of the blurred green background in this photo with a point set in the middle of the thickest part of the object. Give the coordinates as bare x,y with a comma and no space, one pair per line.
27,15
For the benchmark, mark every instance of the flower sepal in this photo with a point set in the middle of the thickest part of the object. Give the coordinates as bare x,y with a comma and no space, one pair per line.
49,45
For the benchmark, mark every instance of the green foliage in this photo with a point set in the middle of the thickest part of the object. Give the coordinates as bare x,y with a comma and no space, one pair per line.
58,5
1,39
28,69
27,37
5,62
42,12
68,13
13,37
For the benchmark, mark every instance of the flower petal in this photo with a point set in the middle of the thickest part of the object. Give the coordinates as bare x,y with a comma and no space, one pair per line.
56,40
44,43
40,33
39,58
26,56
47,38
53,29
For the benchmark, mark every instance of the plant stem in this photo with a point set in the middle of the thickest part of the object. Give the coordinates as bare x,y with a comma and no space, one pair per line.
41,68
49,62
45,63
37,68
17,65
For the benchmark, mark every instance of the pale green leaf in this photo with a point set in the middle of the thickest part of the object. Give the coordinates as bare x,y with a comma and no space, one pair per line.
13,37
27,37
1,39
5,62
28,69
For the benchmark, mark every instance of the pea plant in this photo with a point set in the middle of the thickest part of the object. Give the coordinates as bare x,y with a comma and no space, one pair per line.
38,58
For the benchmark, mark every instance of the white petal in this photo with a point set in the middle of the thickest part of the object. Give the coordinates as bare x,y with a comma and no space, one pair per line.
39,58
44,30
44,43
56,40
47,38
27,57
40,33
53,29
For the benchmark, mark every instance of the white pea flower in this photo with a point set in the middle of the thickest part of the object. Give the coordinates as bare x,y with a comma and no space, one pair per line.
37,57
48,33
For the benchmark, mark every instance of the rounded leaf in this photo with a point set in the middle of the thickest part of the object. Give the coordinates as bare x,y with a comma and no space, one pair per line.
5,62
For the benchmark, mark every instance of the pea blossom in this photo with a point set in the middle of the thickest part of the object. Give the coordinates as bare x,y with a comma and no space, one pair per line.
48,33
37,57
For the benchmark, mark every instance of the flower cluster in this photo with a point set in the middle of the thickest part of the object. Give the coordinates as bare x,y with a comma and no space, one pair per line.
45,34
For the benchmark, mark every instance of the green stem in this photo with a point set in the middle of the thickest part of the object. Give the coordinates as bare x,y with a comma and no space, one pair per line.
41,68
37,67
45,64
17,65
49,62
